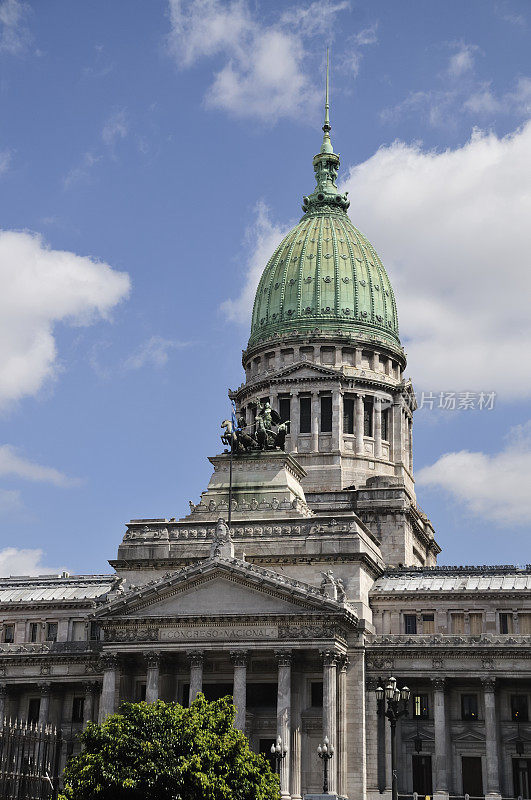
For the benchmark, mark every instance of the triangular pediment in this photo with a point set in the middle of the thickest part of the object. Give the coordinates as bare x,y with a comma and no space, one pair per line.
470,736
307,369
223,587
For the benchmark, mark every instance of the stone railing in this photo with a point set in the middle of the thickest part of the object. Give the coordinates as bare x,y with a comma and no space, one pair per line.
451,640
45,648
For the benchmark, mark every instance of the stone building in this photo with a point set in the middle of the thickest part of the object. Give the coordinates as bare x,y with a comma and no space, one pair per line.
327,580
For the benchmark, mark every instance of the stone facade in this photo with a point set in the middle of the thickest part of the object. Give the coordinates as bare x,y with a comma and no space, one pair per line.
326,582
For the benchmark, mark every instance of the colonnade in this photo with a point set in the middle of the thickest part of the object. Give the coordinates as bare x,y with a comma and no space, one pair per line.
288,717
443,771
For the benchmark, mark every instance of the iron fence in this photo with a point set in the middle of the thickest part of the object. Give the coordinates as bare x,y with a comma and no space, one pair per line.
30,756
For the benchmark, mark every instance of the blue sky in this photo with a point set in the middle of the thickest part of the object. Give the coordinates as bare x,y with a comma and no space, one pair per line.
152,154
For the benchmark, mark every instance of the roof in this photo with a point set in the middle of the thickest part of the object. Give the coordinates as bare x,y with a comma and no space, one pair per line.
325,274
463,579
51,588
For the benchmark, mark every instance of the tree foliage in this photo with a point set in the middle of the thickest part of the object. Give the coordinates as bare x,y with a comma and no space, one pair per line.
163,751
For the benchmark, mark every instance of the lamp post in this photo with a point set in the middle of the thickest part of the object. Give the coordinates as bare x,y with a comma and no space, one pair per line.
397,700
278,752
325,752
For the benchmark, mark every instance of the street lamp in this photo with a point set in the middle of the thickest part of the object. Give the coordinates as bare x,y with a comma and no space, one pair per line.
325,752
397,700
278,752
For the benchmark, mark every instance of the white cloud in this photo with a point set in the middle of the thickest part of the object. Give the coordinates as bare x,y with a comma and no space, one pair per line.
116,127
494,487
14,34
153,352
5,160
453,230
83,170
262,239
40,287
13,464
15,561
462,61
264,71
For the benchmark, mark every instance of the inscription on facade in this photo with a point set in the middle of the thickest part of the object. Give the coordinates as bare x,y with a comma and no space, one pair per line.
210,632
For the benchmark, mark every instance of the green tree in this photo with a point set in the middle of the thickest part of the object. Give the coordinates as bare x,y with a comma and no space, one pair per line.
163,751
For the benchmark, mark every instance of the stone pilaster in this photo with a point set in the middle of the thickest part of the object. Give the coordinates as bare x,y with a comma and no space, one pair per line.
396,424
108,690
377,427
337,419
358,424
371,735
296,739
315,421
239,659
44,710
440,789
196,674
491,739
152,677
330,659
89,689
284,658
342,744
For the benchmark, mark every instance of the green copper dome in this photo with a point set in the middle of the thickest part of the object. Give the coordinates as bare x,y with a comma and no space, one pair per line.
325,274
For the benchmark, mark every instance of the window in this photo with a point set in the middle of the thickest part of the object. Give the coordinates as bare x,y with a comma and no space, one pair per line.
215,691
326,414
316,690
34,631
367,416
348,415
524,623
34,708
385,424
469,706
284,409
476,623
9,634
421,706
94,632
458,623
410,623
305,423
506,623
78,707
51,632
79,633
261,695
428,623
519,711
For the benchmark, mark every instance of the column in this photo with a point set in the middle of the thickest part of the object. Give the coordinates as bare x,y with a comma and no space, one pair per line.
371,727
358,424
3,698
196,674
342,727
357,357
315,422
239,659
491,739
397,432
152,677
377,427
108,690
294,421
330,711
284,716
44,710
440,789
296,739
337,419
89,689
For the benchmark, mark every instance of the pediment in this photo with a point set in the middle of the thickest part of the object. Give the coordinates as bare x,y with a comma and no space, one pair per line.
307,369
470,736
220,587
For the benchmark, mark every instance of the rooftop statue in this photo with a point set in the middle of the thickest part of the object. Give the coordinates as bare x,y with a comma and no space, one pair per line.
267,433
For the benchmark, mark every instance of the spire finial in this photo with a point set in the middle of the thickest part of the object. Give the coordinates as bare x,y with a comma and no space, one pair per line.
326,147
